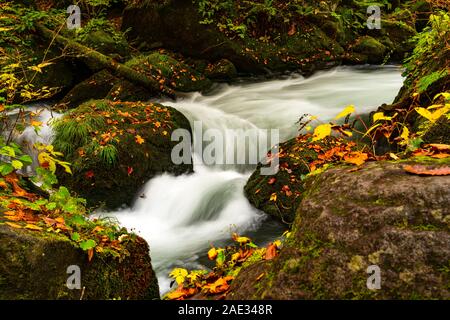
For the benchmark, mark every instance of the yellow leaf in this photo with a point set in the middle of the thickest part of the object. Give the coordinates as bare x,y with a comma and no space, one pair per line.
212,254
35,68
425,113
393,156
273,197
322,131
348,110
5,29
179,274
33,227
380,116
14,225
405,135
36,123
139,139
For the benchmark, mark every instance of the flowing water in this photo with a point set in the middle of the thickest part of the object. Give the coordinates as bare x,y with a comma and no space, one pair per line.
181,216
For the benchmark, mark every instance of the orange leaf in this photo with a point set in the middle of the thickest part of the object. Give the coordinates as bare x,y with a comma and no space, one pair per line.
139,139
90,254
427,171
271,252
357,158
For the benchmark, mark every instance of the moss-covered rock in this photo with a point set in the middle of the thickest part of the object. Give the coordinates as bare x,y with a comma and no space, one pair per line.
34,265
116,147
179,26
371,48
223,70
95,87
170,71
348,220
279,195
107,43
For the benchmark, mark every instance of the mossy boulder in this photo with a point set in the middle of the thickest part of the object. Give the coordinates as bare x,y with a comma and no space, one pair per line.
349,220
170,71
177,25
34,265
223,70
116,147
279,195
108,43
371,48
96,86
104,85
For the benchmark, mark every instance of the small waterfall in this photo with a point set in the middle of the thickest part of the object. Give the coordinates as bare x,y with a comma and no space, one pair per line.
181,216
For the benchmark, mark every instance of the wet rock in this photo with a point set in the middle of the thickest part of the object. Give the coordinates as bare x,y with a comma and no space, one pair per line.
348,221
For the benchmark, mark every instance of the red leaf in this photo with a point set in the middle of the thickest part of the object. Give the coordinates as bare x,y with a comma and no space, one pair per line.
130,170
272,181
90,174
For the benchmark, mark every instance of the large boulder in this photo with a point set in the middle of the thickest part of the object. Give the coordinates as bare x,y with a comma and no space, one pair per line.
34,265
116,147
170,72
349,220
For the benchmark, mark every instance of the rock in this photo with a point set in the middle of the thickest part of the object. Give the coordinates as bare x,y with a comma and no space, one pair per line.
295,155
176,24
95,87
438,132
116,147
124,90
170,71
371,48
107,43
379,215
223,70
34,266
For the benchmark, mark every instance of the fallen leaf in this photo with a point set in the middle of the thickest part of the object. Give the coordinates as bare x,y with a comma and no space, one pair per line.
427,170
271,252
357,158
14,225
33,227
139,139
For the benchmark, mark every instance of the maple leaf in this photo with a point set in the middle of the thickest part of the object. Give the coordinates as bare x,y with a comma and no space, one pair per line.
357,158
139,139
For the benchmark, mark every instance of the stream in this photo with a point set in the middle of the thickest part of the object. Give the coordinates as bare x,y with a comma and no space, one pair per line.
182,216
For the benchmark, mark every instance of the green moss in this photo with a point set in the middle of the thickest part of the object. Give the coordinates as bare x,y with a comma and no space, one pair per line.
174,73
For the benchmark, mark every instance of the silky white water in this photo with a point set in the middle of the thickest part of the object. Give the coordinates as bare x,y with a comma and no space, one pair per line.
181,216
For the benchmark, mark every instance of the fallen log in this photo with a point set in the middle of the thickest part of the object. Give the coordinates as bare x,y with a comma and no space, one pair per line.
105,62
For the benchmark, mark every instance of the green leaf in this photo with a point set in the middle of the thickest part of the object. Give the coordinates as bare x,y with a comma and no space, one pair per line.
220,260
6,169
17,164
75,236
26,159
78,220
87,244
51,206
